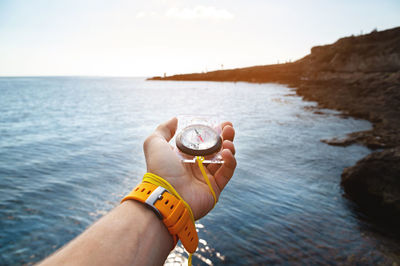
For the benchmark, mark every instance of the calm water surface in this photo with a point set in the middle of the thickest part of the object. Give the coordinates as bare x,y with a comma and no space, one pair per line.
70,148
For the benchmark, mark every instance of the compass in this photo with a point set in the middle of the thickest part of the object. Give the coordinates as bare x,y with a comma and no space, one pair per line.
198,140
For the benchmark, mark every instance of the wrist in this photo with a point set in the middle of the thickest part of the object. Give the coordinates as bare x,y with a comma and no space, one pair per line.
154,236
168,206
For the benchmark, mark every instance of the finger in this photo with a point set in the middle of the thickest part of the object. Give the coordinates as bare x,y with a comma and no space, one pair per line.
213,168
225,172
226,123
167,129
228,133
227,144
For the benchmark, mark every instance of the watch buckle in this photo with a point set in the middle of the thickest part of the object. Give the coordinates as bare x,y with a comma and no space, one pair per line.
153,198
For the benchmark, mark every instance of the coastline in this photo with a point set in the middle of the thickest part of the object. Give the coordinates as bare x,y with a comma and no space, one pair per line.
359,76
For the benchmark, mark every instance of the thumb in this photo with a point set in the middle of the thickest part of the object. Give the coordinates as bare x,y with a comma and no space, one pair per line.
167,129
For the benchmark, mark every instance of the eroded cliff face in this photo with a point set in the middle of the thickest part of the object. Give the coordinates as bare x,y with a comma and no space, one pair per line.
374,52
359,75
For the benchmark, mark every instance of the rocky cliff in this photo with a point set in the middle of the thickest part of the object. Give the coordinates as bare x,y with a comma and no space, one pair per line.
359,75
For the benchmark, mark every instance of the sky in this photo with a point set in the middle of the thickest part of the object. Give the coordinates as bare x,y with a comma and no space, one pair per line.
153,37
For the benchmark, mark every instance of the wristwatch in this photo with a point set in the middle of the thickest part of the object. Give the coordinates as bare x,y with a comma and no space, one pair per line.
171,210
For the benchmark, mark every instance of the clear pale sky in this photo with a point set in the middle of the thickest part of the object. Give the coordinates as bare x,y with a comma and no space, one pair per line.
147,38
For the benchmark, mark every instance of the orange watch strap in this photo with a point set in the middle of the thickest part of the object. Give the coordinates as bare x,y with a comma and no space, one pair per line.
173,217
171,210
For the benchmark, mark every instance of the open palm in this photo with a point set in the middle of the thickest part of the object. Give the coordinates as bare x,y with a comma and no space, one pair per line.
187,179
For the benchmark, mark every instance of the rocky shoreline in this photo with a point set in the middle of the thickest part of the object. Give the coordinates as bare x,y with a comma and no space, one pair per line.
360,76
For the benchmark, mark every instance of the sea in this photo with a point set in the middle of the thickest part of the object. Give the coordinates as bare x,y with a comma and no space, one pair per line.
71,148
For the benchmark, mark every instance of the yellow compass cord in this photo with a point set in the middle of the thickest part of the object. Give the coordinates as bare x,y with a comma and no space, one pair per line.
159,181
200,160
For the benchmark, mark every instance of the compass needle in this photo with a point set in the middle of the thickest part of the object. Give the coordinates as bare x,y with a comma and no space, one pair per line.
198,135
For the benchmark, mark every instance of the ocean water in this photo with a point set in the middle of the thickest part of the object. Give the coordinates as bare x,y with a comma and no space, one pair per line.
71,147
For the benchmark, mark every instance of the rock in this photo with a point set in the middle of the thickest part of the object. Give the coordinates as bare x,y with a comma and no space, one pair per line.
366,138
339,142
374,182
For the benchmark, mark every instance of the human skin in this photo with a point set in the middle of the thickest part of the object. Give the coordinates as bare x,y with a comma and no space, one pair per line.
131,234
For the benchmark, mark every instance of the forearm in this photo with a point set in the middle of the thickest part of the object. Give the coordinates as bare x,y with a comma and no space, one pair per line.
131,234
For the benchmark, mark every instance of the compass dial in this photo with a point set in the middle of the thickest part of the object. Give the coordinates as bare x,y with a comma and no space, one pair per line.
198,140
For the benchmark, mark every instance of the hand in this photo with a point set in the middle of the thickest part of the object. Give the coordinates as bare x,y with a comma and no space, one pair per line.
187,179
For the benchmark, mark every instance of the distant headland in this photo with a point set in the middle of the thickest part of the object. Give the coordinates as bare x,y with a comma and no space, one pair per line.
360,76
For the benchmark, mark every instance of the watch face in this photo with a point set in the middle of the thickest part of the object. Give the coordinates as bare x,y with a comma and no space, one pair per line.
198,140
